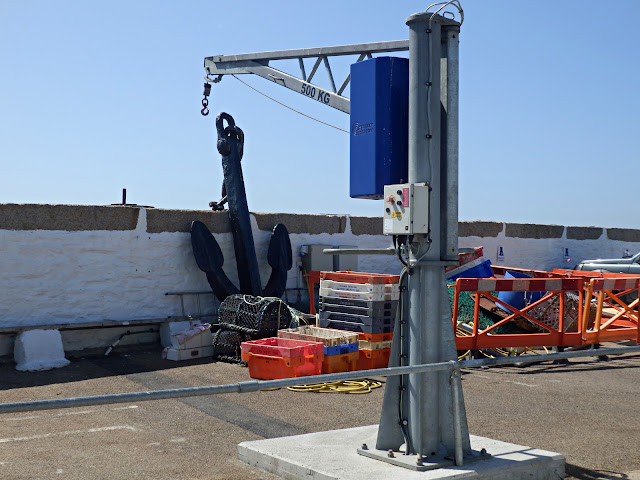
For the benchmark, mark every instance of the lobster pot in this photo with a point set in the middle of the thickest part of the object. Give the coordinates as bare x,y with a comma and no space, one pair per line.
226,345
257,316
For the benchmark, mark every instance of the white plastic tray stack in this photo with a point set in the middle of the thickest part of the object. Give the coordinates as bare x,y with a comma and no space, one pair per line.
197,342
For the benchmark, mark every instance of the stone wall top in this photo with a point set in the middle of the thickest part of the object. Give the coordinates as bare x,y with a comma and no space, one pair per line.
14,216
525,230
479,229
160,220
302,223
623,234
584,233
71,218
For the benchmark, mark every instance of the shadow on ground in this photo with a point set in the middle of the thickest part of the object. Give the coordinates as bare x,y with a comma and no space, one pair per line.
579,473
123,362
573,365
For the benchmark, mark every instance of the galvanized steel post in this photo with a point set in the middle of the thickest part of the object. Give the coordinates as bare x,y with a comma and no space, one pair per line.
435,420
449,84
433,159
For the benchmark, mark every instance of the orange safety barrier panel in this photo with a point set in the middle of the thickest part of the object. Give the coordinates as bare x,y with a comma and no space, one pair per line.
622,324
622,320
566,322
550,332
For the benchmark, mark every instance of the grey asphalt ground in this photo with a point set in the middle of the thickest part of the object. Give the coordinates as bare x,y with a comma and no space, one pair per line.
587,410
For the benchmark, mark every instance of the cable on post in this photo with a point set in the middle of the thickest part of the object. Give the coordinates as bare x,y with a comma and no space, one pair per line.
443,5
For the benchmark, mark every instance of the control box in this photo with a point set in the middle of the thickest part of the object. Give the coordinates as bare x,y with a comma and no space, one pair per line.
314,258
406,209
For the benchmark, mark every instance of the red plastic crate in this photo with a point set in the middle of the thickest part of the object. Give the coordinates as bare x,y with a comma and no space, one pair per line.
343,362
267,367
360,277
281,347
375,337
369,359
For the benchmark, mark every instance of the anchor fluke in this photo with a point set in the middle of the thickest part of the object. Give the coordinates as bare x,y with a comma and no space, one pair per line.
280,260
209,258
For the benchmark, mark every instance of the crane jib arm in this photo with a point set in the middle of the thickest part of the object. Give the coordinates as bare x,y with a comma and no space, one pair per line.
293,83
258,64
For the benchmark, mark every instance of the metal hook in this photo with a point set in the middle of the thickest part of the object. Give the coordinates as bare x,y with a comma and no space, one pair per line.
205,100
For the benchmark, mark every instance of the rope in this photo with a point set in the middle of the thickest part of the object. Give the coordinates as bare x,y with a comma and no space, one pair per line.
290,108
346,386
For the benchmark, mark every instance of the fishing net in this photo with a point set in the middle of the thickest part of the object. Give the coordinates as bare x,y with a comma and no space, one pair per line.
466,306
548,312
262,316
226,345
245,317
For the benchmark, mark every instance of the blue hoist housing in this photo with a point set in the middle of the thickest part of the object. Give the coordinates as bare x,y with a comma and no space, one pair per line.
379,125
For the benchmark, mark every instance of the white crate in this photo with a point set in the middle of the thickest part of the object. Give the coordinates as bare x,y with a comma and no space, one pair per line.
330,292
177,354
360,287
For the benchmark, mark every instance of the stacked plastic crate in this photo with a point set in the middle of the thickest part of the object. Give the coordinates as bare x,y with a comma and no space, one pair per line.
340,347
365,303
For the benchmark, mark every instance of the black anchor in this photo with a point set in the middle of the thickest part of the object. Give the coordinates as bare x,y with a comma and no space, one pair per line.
205,247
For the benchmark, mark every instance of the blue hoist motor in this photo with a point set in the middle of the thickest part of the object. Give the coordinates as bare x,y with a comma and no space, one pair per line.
379,125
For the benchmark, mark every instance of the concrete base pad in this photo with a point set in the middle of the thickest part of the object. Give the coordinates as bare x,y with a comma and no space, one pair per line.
332,455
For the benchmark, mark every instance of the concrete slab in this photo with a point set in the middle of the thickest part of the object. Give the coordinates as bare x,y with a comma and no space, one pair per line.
332,455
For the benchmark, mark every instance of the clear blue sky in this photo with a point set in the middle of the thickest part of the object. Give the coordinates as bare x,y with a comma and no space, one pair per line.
98,96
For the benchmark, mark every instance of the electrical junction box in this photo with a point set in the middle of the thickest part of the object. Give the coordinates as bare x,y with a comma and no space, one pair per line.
379,115
313,258
406,209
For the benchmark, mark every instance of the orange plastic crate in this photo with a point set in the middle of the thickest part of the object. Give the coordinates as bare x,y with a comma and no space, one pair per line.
360,277
369,359
375,337
281,347
267,367
343,362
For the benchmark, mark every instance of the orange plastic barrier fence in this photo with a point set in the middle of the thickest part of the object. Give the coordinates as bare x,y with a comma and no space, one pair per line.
574,310
622,321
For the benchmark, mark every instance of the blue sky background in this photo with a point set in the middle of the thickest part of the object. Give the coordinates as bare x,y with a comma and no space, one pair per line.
99,96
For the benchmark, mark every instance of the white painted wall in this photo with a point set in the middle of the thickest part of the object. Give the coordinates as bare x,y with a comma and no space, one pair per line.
52,277
65,277
547,253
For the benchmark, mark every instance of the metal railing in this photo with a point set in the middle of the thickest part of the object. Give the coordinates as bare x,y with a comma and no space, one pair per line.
257,385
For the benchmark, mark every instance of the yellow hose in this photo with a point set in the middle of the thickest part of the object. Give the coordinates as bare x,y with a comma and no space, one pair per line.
346,386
